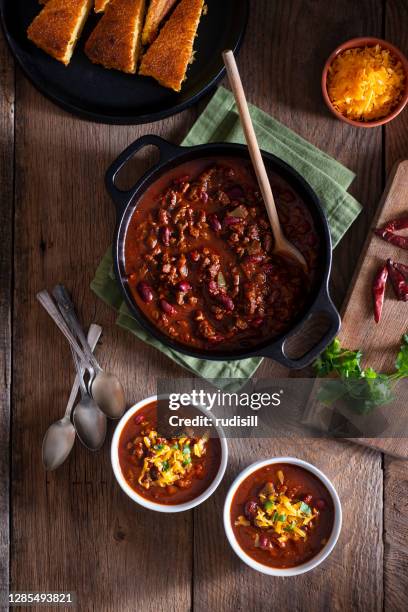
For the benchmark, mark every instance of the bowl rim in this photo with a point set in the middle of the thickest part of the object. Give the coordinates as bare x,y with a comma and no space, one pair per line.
354,43
170,508
304,567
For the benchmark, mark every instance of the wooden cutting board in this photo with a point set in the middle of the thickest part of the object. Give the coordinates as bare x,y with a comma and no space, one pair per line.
380,342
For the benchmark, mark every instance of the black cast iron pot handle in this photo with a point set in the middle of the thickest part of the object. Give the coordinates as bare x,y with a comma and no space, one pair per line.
323,305
122,198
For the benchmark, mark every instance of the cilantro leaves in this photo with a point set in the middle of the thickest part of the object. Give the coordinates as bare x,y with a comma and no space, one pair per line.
362,389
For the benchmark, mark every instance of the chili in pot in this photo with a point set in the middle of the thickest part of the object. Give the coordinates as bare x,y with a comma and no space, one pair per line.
199,256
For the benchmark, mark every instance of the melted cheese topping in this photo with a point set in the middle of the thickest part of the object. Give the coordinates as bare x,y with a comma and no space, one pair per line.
172,459
365,84
276,512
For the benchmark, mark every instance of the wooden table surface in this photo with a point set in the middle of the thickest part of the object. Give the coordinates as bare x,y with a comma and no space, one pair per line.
74,529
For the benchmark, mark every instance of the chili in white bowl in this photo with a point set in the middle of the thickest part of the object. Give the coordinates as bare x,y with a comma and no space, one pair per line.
282,516
166,474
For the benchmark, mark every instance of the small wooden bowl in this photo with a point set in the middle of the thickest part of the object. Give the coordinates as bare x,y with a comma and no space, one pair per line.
354,43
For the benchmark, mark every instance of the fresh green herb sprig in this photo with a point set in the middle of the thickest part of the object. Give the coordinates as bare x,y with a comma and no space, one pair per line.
362,389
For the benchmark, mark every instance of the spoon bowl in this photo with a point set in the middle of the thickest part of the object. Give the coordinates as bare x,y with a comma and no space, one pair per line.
105,388
108,393
90,423
59,439
58,442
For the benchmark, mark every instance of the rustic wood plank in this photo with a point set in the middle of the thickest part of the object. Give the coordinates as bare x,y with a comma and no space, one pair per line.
278,43
223,582
288,43
75,529
55,517
395,535
378,343
396,482
6,268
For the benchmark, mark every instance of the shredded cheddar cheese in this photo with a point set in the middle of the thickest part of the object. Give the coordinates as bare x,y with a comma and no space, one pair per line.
365,84
276,512
172,459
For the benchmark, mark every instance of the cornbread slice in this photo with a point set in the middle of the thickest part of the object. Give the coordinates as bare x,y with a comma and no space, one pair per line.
100,5
59,25
158,10
167,59
116,40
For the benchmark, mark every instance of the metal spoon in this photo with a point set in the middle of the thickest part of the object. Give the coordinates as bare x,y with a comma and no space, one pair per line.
47,302
59,438
89,420
105,387
282,244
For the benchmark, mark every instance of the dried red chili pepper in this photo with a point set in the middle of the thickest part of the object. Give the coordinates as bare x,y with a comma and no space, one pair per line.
379,284
387,232
396,224
398,280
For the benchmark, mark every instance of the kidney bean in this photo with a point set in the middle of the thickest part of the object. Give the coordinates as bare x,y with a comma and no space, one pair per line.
250,509
264,542
204,197
184,286
214,222
139,418
145,291
235,192
307,499
320,504
213,288
255,258
226,301
229,220
167,308
165,235
257,322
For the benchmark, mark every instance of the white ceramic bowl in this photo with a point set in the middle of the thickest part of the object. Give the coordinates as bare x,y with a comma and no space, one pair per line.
290,571
142,500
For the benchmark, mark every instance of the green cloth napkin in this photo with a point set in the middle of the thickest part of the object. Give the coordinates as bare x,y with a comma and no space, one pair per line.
330,180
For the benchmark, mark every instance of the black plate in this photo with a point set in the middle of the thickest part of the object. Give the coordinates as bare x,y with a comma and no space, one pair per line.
109,96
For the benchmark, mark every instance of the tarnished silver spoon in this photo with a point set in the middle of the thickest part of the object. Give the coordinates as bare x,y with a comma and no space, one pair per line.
105,387
59,438
89,420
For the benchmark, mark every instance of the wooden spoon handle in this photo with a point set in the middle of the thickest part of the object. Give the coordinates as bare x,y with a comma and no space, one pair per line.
250,137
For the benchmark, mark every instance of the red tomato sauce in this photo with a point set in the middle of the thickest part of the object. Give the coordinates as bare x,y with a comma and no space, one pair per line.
199,257
133,451
262,544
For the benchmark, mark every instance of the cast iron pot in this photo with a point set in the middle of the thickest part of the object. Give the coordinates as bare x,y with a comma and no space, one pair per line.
172,156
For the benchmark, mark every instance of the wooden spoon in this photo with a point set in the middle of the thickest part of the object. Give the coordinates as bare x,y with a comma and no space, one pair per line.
282,245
